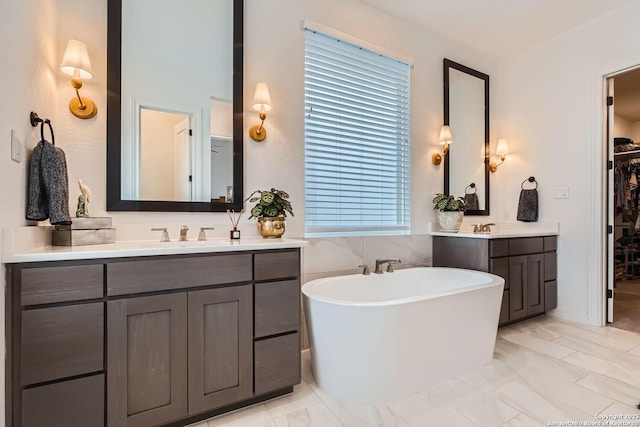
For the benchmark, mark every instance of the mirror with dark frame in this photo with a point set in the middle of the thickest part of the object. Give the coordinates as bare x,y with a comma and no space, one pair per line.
175,106
466,111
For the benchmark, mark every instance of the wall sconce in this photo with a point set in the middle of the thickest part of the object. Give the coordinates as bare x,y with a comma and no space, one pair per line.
262,103
77,64
501,150
445,139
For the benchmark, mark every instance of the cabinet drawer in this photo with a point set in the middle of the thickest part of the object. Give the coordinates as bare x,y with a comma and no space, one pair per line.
76,403
277,363
550,243
175,273
59,342
525,245
277,307
43,285
277,265
498,247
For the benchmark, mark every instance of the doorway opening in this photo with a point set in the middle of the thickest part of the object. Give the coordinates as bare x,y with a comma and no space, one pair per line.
623,135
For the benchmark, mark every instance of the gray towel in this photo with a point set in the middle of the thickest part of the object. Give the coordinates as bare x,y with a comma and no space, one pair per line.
471,202
528,205
48,185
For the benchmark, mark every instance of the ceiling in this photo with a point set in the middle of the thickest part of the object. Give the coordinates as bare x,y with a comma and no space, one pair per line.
498,28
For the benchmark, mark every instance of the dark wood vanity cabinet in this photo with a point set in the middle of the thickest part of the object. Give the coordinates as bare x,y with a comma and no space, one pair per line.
151,340
528,265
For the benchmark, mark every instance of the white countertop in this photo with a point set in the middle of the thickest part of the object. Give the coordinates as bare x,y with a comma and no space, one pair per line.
501,231
130,248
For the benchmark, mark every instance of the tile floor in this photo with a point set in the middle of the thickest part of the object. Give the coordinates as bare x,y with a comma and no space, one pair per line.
545,372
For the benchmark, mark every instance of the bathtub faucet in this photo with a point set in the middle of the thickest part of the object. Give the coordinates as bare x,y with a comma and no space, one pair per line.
390,262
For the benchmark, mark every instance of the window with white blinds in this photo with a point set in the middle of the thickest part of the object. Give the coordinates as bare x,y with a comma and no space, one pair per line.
357,151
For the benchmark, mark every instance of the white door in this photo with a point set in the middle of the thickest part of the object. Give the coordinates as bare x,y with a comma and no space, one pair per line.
611,204
182,161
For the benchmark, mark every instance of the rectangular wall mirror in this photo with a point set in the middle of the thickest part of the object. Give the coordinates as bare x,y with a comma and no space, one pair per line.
174,105
466,111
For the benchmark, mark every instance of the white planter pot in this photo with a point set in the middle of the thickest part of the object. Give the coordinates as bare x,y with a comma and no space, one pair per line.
450,221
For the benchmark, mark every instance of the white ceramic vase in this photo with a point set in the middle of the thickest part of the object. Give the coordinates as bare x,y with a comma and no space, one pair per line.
450,221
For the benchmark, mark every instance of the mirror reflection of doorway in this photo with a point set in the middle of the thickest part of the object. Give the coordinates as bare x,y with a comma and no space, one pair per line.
165,156
623,129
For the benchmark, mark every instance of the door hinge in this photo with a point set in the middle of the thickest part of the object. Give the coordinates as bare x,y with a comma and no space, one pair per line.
609,293
609,100
609,229
190,132
610,164
190,178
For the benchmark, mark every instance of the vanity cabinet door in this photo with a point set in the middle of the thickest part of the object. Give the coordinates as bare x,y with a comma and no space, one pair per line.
220,347
147,360
517,287
535,284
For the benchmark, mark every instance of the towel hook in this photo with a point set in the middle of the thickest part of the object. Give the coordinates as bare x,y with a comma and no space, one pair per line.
34,119
530,179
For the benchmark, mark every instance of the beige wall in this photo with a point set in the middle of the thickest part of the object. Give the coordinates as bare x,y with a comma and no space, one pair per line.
549,105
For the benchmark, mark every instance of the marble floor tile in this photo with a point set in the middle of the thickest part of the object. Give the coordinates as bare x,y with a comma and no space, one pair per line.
521,420
629,414
353,414
317,415
616,369
560,390
302,397
516,357
588,347
254,416
527,401
612,388
536,329
424,409
537,344
483,409
635,350
616,341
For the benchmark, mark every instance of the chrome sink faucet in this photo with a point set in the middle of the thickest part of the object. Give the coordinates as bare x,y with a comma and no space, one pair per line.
390,262
183,233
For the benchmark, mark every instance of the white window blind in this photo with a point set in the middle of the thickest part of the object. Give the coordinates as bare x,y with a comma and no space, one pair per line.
357,151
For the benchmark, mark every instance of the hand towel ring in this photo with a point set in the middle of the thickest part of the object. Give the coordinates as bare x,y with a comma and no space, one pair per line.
530,179
53,138
471,186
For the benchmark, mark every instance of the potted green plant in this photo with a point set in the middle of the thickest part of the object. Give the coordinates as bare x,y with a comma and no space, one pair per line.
271,210
450,211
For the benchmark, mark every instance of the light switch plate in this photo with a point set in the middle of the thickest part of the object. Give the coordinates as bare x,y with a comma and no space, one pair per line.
16,147
561,193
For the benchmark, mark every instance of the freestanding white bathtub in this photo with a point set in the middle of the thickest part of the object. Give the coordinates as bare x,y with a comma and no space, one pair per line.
381,337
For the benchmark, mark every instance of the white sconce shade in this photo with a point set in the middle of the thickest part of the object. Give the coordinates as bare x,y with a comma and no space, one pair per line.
261,98
262,103
502,148
76,57
446,137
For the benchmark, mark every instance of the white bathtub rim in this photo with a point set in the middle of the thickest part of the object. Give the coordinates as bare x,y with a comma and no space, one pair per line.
494,280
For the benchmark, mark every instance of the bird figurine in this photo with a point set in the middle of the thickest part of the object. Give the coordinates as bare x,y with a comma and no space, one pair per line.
83,200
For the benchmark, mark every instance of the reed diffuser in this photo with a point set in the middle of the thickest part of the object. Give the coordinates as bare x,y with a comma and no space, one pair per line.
235,233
